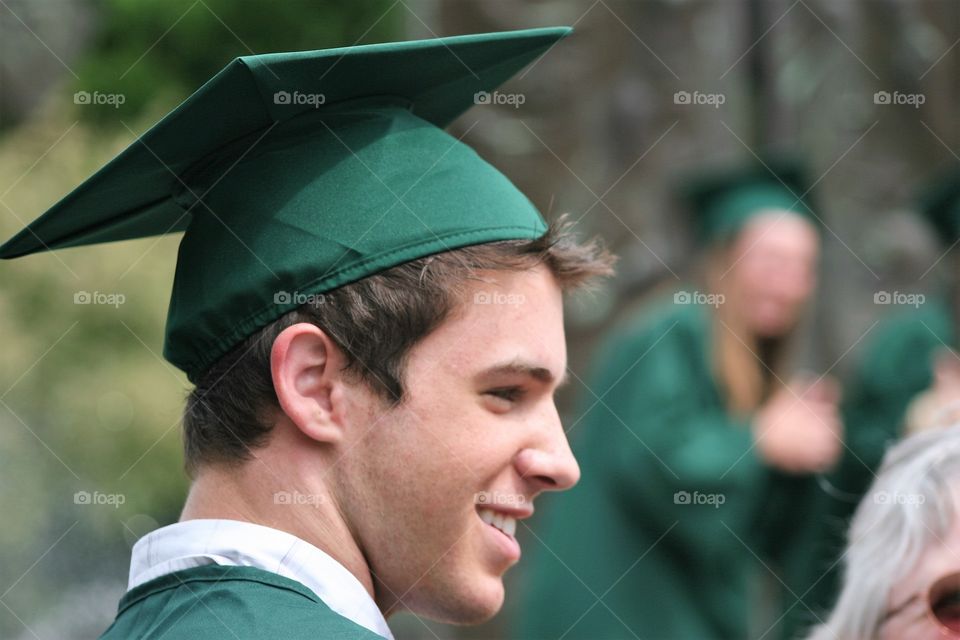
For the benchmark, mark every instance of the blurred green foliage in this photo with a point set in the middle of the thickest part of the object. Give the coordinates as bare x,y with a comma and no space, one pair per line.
87,404
146,48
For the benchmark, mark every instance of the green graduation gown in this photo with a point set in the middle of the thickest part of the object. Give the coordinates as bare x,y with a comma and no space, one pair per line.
675,516
231,602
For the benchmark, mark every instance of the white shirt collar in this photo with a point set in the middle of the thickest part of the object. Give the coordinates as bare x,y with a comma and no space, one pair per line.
193,543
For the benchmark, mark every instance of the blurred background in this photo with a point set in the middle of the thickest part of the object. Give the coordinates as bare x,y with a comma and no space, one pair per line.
865,90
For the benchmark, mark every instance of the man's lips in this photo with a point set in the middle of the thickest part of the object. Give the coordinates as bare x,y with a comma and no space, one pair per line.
502,528
517,513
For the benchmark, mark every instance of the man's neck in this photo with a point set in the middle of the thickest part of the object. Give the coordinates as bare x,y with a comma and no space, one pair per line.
235,493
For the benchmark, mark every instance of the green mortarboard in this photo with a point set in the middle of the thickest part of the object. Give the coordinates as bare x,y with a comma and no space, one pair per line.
940,205
295,173
723,200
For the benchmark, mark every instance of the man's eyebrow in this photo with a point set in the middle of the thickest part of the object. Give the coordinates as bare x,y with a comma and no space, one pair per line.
520,367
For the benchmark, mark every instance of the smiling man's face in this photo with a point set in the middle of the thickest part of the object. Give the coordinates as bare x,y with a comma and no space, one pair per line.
476,439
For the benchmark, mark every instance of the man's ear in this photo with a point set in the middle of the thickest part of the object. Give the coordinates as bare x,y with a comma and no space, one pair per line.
306,368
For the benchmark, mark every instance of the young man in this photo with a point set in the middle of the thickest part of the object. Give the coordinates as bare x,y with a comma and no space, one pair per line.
372,317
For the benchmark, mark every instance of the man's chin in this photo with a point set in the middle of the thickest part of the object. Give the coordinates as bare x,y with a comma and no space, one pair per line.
471,607
486,609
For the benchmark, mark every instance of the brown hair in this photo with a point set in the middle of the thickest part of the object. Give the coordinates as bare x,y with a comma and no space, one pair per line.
375,321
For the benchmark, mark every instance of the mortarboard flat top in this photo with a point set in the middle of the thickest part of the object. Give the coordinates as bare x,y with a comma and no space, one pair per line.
296,173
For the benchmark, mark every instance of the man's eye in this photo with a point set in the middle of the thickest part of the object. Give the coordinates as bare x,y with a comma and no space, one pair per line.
510,394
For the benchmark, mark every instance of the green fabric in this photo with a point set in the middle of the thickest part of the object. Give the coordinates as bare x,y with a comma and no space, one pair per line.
662,569
940,205
724,200
897,365
295,173
242,603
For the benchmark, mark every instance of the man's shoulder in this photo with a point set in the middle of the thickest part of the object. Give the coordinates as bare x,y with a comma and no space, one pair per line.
228,602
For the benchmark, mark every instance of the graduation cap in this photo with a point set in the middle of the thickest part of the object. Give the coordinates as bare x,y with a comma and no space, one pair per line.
940,205
292,174
724,200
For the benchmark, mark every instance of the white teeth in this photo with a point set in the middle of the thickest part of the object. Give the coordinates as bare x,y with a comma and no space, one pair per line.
505,523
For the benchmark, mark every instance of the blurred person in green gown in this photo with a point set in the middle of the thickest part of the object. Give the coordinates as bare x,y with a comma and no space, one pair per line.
698,451
907,381
910,376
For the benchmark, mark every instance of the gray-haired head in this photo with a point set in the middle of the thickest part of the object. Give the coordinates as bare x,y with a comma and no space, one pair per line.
907,509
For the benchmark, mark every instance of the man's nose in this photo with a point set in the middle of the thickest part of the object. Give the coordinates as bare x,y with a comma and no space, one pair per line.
550,466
